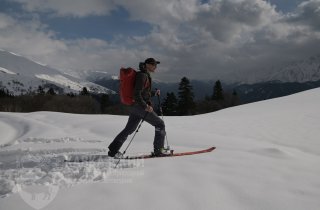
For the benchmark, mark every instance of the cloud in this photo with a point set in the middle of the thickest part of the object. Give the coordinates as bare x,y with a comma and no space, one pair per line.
33,40
94,54
224,39
5,21
220,39
27,37
233,39
228,20
79,8
307,13
161,13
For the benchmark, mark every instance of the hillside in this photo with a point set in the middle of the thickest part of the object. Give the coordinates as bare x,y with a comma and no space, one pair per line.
307,70
20,75
267,157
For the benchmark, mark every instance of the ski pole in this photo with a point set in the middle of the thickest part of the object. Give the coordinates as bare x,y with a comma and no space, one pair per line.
137,130
160,109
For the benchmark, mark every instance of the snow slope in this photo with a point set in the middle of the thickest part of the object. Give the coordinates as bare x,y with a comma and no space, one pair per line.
300,71
267,157
20,75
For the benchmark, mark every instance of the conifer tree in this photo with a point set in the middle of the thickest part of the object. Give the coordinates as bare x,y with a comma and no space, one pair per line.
51,92
170,104
4,93
235,98
104,102
40,90
186,104
217,91
84,91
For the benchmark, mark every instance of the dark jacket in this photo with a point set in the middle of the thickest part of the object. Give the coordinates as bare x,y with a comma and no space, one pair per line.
142,89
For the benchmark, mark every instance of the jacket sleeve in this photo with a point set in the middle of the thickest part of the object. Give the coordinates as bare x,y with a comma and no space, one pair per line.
138,89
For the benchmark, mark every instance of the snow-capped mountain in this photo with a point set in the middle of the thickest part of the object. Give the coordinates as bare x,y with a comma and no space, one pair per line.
98,76
300,71
20,75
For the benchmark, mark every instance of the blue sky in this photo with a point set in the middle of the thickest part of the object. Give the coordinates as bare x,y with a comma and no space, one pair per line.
104,27
285,5
200,39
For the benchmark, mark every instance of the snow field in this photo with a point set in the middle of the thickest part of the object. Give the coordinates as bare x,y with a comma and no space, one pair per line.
267,157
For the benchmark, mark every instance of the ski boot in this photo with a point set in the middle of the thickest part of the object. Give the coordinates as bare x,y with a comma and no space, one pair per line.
116,155
161,152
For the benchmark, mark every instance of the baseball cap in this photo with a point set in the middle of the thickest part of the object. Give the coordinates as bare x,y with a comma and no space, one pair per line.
151,61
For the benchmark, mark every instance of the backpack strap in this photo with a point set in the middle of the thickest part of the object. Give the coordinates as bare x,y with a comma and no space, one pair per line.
147,82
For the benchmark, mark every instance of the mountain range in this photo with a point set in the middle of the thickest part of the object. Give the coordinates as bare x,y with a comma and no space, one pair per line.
20,75
289,79
307,70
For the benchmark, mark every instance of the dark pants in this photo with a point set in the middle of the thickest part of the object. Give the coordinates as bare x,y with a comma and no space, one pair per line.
137,113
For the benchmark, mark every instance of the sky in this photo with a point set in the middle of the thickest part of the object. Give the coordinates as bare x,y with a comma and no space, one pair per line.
229,40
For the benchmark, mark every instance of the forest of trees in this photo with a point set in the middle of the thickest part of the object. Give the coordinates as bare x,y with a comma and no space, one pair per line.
82,103
86,103
184,104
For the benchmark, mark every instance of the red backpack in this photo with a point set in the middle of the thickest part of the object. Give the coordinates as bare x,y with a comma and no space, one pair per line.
127,82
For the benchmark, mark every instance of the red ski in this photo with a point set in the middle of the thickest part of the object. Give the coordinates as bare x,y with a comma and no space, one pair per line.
172,154
103,157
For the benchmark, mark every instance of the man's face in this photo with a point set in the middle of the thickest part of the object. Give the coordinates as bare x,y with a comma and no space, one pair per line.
151,67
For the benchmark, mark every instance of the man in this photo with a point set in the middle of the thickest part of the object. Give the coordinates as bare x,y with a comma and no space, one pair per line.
142,109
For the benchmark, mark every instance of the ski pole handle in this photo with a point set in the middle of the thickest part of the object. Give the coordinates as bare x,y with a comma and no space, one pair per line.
157,92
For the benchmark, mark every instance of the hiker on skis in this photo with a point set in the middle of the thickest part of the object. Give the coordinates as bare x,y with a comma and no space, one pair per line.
141,109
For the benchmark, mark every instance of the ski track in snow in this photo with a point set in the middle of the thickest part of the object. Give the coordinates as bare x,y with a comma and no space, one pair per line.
11,130
26,161
20,169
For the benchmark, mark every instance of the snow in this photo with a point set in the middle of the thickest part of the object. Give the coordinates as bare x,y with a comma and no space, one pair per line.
22,75
115,77
267,157
4,70
59,79
300,71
